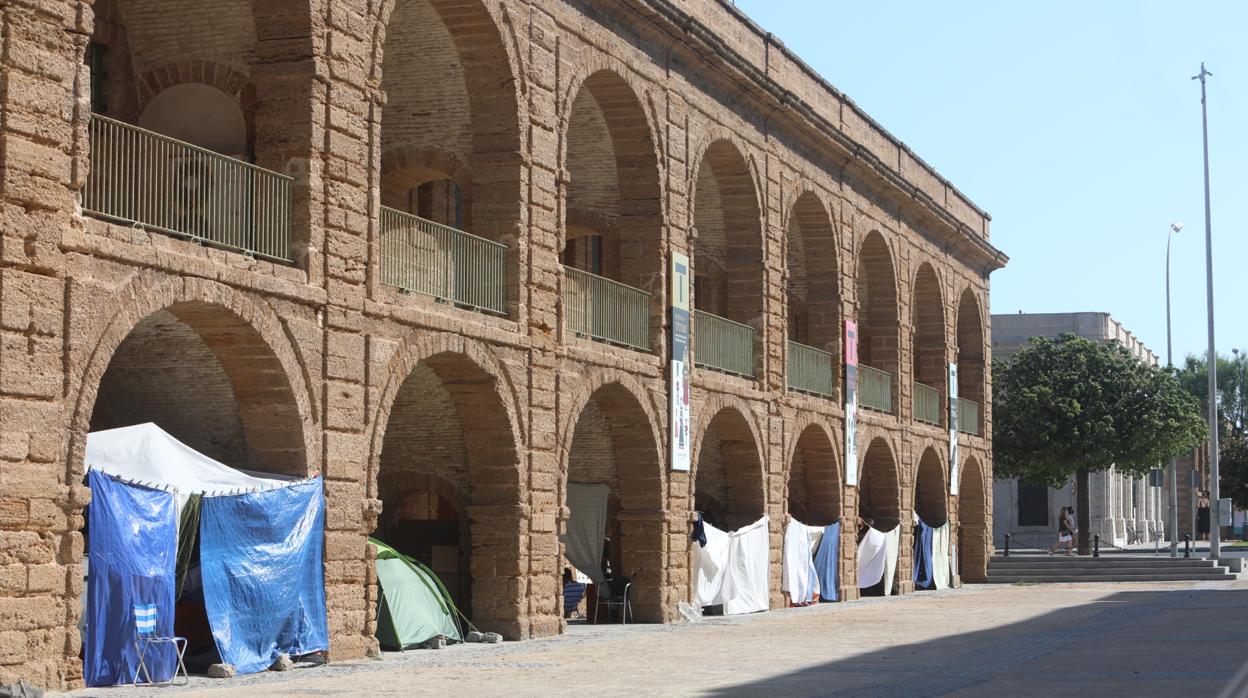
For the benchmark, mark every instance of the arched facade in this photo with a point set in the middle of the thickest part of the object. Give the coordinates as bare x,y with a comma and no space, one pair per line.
509,129
929,355
931,499
974,537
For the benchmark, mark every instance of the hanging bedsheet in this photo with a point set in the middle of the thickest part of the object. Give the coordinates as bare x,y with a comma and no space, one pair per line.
587,528
133,561
892,542
877,558
732,568
941,566
921,571
260,554
827,561
798,574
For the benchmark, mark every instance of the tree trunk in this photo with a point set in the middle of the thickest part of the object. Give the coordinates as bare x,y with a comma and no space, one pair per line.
1085,516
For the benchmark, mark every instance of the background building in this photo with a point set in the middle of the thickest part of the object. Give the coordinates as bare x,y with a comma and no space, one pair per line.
1124,509
421,248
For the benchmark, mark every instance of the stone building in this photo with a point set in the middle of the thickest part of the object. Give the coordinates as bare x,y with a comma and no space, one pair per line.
1124,508
421,248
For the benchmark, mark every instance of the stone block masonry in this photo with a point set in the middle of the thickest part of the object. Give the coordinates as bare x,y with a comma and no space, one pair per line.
544,136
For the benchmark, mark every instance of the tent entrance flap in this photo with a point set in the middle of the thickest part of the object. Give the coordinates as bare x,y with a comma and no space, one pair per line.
414,606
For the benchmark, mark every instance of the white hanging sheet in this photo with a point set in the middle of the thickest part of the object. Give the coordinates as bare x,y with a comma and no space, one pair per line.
732,569
587,526
798,575
872,554
941,568
892,542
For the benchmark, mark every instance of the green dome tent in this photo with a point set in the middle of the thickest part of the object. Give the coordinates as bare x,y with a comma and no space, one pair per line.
414,605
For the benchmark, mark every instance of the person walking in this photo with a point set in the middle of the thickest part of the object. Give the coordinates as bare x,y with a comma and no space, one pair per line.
1065,531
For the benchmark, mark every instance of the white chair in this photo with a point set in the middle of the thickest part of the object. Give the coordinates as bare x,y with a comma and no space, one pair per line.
145,636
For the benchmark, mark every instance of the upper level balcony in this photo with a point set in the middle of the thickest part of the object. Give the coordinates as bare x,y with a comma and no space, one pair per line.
143,178
604,310
927,407
968,416
437,260
875,389
723,345
810,370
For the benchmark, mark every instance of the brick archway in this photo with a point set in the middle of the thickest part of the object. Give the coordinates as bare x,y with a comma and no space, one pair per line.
931,502
729,486
613,442
878,329
812,269
814,481
879,486
928,350
972,367
974,531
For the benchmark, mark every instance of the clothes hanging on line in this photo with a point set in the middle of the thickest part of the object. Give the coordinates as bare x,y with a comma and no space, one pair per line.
798,574
732,568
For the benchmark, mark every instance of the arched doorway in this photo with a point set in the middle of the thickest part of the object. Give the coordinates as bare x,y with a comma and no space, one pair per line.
615,474
928,349
974,534
612,217
971,363
450,156
448,470
930,500
814,492
813,289
879,501
878,345
727,263
728,488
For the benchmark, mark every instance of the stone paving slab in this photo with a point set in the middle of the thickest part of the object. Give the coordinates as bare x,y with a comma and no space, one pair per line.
992,640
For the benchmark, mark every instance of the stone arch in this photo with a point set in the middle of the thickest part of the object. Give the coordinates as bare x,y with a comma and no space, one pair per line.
450,84
728,257
237,342
612,211
972,367
879,486
449,500
729,483
813,276
613,442
928,350
974,522
878,340
814,482
931,502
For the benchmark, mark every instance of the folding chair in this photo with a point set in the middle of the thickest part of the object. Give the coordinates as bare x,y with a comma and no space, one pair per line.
145,636
614,593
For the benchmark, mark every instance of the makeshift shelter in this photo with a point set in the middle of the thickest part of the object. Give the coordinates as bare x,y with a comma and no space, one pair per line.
732,568
932,568
827,560
799,577
260,542
877,559
415,607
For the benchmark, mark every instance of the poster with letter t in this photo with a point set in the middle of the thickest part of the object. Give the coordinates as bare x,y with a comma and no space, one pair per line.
953,428
678,363
851,403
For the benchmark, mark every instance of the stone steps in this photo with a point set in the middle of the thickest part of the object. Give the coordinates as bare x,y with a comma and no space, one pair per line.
1043,569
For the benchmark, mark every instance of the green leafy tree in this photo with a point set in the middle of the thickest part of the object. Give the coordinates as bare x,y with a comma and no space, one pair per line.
1233,469
1232,390
1071,406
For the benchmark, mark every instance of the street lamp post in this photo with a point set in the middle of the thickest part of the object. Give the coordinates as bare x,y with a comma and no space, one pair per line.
1215,534
1174,466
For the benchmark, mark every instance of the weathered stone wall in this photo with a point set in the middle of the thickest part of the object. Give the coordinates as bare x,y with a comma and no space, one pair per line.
333,373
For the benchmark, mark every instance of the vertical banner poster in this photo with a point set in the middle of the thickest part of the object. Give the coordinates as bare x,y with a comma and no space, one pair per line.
678,362
953,428
851,403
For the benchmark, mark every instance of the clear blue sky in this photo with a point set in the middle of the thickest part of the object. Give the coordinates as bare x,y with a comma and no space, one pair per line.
1077,127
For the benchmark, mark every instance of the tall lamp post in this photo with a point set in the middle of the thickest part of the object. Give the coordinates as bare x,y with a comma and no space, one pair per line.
1174,466
1215,534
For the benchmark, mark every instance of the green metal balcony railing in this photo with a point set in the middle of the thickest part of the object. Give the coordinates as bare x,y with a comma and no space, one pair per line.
723,345
810,370
605,310
875,389
968,416
927,404
440,261
143,178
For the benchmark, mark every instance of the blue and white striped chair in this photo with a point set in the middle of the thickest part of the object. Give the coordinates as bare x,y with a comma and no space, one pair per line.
145,636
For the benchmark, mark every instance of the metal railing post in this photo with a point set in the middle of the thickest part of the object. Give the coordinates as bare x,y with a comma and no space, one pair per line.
1096,545
1187,545
1007,545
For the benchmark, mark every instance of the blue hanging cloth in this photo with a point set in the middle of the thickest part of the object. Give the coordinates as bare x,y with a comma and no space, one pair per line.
133,553
260,556
826,560
922,574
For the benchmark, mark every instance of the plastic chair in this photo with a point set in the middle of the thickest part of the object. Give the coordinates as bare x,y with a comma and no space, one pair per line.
145,636
616,594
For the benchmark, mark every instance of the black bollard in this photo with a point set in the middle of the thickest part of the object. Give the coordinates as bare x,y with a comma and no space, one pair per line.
1096,545
1187,545
1007,545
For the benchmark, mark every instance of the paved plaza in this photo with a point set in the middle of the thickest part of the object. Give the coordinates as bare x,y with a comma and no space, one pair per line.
993,640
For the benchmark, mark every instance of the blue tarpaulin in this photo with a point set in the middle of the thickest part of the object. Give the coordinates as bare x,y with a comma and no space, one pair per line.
133,554
260,556
826,561
923,557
